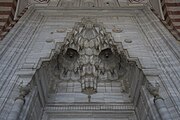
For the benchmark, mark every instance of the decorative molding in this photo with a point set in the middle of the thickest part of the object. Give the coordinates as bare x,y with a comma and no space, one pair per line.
42,1
87,107
153,89
128,41
116,30
23,92
62,30
82,3
138,1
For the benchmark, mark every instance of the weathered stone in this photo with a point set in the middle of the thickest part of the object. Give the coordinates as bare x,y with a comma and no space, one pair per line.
27,54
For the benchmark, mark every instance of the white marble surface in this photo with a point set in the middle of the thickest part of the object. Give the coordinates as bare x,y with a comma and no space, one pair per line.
23,49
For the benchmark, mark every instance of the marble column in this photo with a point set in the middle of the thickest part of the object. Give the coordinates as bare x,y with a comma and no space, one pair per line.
18,104
17,107
158,101
161,108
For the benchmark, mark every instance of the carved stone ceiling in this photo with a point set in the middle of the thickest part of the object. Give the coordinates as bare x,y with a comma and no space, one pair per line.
88,3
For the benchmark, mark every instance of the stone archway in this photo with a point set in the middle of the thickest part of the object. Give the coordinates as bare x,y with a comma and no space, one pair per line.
89,73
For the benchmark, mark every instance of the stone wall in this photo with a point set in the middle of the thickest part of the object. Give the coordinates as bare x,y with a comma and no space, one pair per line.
35,36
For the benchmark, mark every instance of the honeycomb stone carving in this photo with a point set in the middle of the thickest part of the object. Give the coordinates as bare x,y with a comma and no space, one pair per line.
89,55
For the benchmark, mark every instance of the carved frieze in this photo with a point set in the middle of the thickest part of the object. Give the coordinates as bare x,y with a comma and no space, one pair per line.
82,3
88,3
